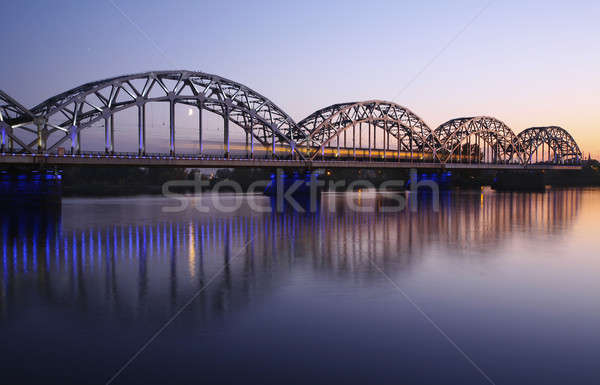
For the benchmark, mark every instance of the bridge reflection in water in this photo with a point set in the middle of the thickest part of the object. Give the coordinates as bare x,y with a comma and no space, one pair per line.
127,258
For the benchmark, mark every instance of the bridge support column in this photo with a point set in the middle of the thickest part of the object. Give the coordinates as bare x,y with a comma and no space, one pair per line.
478,146
141,129
360,139
354,141
496,154
273,141
411,147
109,135
251,138
2,136
11,142
112,134
41,136
398,145
375,136
469,148
370,147
386,140
172,127
200,129
74,133
226,133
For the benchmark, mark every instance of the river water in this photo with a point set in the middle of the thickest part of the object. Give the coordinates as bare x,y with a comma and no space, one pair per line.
490,288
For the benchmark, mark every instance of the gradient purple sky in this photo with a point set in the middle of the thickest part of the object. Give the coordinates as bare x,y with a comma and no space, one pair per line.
526,63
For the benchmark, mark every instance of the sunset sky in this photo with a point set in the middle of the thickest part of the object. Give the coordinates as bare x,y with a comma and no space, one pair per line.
526,63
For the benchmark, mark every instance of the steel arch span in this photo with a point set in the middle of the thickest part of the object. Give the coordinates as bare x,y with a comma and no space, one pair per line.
63,117
14,121
557,145
472,139
338,131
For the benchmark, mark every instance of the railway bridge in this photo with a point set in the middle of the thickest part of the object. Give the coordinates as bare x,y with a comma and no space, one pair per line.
193,119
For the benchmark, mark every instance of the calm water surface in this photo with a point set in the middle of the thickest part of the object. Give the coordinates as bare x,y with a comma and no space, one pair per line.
331,297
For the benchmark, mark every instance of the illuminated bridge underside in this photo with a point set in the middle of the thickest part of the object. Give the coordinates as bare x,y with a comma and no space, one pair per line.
371,133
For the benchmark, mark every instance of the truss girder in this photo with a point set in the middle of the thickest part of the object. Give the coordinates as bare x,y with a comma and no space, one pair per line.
327,124
559,141
15,121
491,131
93,102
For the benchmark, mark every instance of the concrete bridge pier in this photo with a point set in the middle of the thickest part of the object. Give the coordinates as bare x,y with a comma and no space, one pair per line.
443,178
295,182
298,190
525,180
24,187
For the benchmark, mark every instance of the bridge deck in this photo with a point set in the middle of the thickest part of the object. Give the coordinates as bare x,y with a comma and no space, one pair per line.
201,162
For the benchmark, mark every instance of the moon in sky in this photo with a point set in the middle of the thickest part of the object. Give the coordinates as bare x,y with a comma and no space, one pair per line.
190,112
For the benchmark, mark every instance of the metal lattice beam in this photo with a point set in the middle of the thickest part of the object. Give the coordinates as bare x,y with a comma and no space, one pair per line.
482,130
558,141
328,124
69,113
15,122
